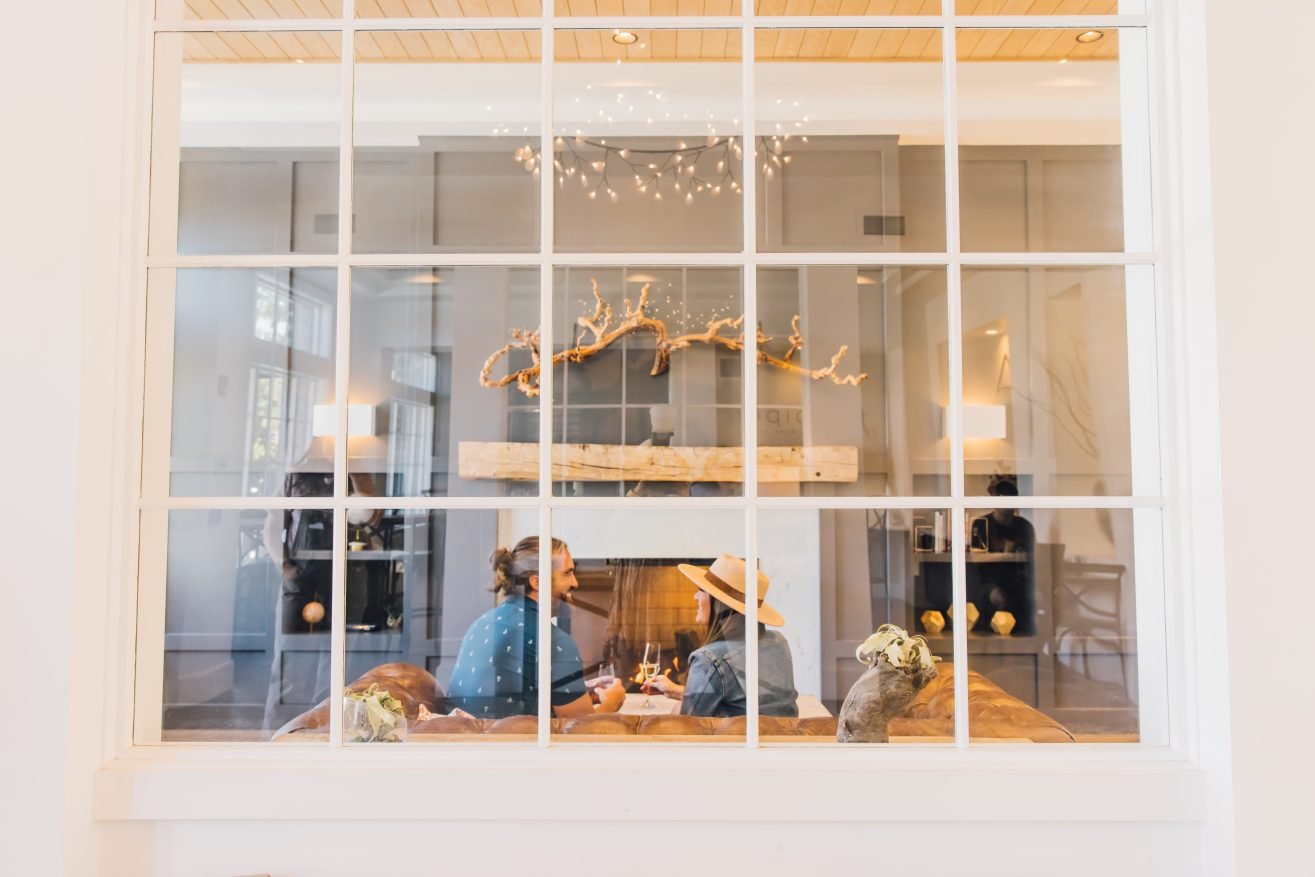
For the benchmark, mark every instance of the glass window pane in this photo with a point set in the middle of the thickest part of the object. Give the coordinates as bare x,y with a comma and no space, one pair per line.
440,116
1059,381
246,622
849,7
634,615
645,8
648,147
1049,7
249,356
1054,134
425,623
647,402
1055,594
244,151
433,420
240,10
448,8
835,576
850,152
880,434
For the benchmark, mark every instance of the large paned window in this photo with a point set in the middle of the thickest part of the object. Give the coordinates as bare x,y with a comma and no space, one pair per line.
784,323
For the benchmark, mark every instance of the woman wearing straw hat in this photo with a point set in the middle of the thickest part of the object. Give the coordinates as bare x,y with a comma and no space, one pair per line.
715,685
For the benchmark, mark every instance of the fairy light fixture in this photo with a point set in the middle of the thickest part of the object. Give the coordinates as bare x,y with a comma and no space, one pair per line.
683,171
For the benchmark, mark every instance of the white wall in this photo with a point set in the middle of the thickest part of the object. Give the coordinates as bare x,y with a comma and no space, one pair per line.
44,253
1262,231
1264,185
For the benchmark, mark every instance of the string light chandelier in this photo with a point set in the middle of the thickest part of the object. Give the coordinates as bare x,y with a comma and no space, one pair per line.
683,171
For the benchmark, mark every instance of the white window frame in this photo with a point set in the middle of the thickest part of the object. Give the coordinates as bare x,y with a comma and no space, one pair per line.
1145,783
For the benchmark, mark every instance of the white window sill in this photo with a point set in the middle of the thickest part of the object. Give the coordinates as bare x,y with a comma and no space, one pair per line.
1002,784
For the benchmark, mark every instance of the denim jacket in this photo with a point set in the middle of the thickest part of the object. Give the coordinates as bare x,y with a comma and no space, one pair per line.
716,682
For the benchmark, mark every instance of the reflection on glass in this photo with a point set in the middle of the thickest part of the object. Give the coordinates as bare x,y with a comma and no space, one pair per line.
881,436
637,412
443,120
227,10
835,577
442,620
244,147
246,639
1056,625
647,155
850,150
252,366
641,597
1049,133
1050,356
420,342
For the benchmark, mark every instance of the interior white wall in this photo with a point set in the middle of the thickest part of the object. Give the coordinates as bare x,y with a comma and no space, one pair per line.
62,216
1264,184
301,849
45,250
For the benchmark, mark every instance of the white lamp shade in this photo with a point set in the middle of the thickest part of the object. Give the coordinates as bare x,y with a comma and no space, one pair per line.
662,418
360,420
980,422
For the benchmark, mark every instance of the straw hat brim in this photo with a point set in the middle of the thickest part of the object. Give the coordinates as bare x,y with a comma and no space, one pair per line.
699,576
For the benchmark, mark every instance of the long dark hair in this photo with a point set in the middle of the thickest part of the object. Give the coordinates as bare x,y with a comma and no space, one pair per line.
512,569
720,621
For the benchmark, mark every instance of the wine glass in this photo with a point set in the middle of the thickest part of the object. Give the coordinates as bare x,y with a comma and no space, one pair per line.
605,670
650,665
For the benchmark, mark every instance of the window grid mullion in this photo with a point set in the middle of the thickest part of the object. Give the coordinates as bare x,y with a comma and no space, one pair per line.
672,259
749,369
954,300
711,22
721,502
547,179
342,371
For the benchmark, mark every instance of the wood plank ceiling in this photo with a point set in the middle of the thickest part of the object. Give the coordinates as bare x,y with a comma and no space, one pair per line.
652,45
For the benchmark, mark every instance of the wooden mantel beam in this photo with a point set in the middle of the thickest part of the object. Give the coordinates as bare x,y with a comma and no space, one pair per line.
519,461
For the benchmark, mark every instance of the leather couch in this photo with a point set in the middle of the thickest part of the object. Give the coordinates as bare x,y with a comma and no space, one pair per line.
992,713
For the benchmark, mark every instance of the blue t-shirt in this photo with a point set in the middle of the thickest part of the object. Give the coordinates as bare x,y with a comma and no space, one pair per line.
497,670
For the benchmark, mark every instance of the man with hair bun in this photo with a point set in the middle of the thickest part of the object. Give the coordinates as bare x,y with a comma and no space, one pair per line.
497,669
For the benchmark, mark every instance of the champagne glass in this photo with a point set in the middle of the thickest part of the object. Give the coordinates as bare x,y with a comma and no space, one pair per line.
650,665
606,670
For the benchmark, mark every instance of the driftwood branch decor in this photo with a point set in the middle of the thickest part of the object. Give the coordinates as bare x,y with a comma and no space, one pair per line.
636,319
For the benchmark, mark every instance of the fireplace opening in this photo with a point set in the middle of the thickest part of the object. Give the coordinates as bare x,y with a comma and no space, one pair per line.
623,603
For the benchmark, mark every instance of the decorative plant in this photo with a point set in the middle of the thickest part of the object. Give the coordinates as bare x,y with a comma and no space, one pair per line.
899,666
895,645
373,716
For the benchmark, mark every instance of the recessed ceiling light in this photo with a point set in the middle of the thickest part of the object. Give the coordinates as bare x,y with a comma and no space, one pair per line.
424,278
992,331
624,38
1090,36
